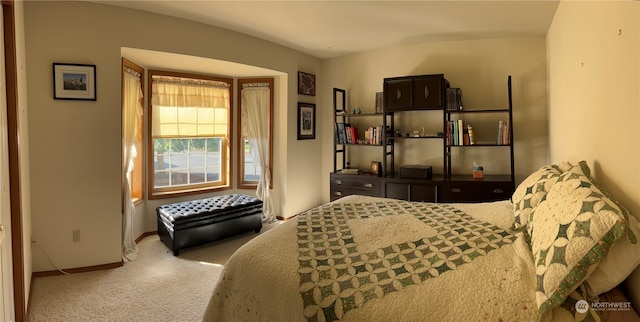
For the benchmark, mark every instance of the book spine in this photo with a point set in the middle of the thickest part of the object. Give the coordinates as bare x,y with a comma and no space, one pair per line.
460,133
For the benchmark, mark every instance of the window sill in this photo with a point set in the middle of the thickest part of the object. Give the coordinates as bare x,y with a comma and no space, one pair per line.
185,192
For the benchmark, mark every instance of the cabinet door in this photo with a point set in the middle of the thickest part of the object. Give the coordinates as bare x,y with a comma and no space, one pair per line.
423,192
427,92
411,191
476,191
397,94
397,190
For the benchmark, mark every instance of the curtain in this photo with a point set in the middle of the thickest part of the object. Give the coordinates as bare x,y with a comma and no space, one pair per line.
132,110
256,111
184,107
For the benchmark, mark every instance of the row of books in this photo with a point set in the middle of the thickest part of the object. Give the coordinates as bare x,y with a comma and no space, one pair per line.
459,133
348,134
454,99
503,132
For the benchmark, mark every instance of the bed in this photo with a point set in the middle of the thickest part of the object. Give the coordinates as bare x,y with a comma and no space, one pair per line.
542,255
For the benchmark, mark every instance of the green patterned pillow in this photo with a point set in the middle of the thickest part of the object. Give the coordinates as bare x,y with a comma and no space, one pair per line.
530,192
572,229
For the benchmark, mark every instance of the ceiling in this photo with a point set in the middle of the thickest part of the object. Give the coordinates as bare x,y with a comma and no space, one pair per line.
327,29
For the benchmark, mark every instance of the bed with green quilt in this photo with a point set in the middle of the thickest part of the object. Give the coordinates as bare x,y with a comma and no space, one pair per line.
538,257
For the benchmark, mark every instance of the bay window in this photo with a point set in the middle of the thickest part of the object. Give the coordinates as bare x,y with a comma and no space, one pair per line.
189,133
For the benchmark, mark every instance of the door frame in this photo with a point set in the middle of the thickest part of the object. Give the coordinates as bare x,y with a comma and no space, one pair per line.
17,244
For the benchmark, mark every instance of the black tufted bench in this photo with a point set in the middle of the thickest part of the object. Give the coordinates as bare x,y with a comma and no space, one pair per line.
190,223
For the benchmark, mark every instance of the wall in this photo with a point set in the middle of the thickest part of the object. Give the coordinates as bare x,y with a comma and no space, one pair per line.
594,107
480,68
75,145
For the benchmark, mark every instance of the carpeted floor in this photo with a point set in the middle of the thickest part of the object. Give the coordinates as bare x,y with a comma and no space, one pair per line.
157,286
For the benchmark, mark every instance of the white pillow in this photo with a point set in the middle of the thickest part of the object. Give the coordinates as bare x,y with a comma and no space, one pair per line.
622,259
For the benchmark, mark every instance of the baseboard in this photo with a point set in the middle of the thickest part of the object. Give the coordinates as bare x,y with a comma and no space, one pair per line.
147,234
287,218
79,269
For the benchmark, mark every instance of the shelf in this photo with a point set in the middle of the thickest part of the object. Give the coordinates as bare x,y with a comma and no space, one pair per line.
478,145
360,115
506,110
351,144
414,137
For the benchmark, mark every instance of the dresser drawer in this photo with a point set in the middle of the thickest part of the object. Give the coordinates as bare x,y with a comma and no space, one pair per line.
344,184
476,191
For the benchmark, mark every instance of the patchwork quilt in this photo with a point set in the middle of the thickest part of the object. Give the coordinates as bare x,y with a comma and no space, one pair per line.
372,259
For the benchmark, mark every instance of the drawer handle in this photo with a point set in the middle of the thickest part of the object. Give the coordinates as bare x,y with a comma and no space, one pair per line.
398,93
338,193
338,181
368,185
426,92
498,191
456,190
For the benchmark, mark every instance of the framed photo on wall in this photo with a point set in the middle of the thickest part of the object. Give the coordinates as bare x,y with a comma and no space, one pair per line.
306,84
74,82
306,121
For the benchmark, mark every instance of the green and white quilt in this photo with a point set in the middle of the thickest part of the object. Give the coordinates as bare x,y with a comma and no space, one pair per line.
374,259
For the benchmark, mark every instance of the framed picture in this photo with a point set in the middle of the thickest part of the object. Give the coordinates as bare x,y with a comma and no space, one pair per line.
306,84
376,168
306,121
74,82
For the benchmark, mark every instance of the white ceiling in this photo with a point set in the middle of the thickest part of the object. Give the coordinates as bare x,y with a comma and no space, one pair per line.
327,29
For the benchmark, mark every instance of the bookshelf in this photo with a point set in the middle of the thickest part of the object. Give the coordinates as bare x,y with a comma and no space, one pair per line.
431,96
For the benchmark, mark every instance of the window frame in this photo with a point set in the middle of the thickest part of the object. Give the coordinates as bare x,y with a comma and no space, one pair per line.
137,175
244,184
170,192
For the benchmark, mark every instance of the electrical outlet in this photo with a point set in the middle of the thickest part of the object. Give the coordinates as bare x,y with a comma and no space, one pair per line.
76,236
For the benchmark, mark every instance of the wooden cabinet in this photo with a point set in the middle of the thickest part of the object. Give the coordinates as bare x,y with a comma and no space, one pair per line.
351,184
414,92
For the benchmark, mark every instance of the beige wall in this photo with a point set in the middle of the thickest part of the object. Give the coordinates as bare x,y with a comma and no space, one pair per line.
594,107
480,68
75,145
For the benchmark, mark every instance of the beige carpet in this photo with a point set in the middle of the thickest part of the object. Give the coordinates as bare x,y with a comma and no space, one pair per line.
157,286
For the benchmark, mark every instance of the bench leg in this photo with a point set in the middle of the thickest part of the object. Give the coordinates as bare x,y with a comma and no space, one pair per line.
175,252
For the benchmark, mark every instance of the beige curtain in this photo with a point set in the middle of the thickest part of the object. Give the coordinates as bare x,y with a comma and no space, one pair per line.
131,112
256,111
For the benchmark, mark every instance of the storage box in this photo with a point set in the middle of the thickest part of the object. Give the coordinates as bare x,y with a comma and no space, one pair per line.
416,172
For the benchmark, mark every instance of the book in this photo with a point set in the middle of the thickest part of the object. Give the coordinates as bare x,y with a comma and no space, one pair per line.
458,99
379,102
350,171
472,136
340,133
504,135
460,133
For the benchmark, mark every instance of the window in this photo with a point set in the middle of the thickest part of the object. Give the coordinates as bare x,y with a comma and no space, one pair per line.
136,175
248,171
189,133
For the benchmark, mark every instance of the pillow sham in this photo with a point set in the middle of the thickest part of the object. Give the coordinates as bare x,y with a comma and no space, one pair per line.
622,259
530,192
572,229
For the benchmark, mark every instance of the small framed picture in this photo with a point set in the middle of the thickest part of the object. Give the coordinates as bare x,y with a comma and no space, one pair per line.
306,84
376,168
306,121
74,82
